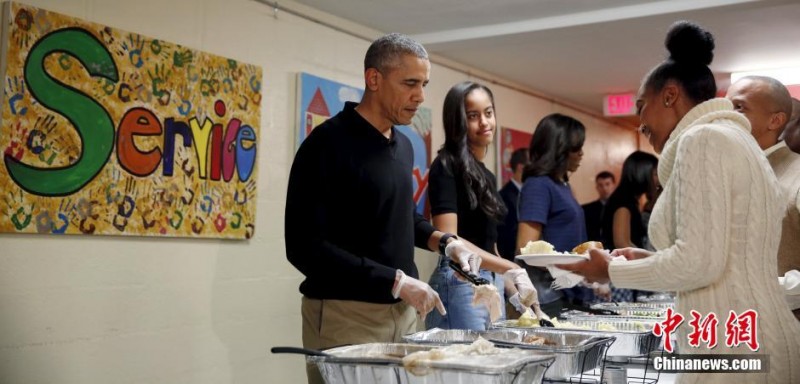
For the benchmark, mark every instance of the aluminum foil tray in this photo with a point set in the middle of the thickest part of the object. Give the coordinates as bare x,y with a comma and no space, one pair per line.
634,336
632,323
440,336
575,352
655,310
382,363
658,297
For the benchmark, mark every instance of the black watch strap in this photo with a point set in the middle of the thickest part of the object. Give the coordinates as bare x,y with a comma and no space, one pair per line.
443,241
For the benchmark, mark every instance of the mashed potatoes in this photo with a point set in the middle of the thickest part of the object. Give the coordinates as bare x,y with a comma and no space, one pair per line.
418,363
537,247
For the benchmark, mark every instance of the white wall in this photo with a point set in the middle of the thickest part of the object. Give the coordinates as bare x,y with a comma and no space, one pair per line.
150,310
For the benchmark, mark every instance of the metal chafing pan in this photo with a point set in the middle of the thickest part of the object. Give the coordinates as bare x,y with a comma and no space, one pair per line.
655,310
382,363
575,352
634,336
631,323
660,297
440,336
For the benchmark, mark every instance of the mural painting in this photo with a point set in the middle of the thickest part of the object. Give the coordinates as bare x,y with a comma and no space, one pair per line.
110,132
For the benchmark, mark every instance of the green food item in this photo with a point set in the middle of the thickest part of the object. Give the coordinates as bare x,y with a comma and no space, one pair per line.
606,327
527,320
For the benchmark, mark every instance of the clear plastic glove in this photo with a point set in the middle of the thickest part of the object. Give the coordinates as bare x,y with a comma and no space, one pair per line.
603,291
519,278
537,310
465,257
417,294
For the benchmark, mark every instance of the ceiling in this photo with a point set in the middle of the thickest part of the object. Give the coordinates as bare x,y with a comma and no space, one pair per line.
577,51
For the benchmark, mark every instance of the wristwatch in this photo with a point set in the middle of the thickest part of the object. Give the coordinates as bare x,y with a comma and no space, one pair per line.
443,241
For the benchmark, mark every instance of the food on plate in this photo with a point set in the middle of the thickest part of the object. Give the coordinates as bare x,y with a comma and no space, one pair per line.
585,247
537,247
487,295
418,363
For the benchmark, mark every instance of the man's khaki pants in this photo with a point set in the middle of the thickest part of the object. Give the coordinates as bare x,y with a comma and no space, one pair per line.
331,323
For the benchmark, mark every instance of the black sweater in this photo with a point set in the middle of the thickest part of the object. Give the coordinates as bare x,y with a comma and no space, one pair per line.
350,218
447,192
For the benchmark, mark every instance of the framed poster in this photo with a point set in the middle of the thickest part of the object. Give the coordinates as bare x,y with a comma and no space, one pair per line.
318,99
510,140
109,132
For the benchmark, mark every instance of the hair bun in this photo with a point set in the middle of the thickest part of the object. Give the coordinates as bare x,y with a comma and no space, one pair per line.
689,43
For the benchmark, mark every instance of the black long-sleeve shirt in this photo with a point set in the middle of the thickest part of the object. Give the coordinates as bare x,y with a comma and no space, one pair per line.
507,229
350,215
447,192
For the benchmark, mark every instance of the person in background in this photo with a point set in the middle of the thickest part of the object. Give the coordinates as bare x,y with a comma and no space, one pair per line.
507,230
652,196
791,135
716,226
547,208
464,201
604,183
768,106
622,222
354,241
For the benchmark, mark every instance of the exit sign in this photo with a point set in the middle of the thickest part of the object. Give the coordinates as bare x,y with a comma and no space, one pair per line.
619,105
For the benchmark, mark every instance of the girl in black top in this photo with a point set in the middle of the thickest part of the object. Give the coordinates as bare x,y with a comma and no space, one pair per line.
464,201
622,220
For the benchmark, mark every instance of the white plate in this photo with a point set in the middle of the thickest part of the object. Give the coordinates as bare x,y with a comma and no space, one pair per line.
543,260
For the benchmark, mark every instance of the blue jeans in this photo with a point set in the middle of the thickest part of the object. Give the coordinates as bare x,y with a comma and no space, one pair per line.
456,296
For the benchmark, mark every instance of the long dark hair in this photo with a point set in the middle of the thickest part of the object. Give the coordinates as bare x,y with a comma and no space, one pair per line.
455,152
555,137
637,177
691,50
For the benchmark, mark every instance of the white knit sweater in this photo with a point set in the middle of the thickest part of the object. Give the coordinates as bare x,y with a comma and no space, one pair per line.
717,226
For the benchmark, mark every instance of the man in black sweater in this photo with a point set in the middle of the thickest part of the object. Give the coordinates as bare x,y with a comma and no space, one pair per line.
351,224
507,230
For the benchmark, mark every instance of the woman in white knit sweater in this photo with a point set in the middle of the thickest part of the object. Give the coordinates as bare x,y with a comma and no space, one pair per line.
717,223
